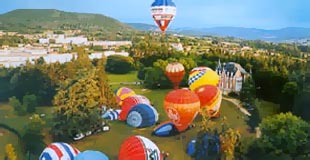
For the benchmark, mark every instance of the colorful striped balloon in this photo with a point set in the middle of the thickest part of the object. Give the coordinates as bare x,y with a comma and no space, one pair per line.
210,98
202,76
139,148
175,72
59,151
129,102
122,93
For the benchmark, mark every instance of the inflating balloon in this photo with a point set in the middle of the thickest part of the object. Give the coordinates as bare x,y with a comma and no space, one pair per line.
142,115
210,99
91,155
122,93
202,76
139,148
181,106
59,151
163,12
165,129
175,72
209,145
111,114
129,102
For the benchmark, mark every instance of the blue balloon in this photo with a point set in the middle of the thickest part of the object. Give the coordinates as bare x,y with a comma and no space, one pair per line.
190,150
165,129
91,155
142,115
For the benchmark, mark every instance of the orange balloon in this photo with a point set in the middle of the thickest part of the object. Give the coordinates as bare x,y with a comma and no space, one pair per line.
182,106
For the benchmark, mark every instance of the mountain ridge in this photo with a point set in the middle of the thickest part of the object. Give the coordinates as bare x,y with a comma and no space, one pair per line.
38,19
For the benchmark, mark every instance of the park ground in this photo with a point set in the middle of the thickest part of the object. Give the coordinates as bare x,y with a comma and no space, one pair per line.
110,142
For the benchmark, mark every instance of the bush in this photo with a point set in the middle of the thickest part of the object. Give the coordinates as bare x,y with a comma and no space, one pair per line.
119,64
233,95
18,107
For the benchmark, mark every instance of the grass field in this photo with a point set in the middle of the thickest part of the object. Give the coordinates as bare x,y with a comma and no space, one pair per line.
267,108
7,137
110,142
130,77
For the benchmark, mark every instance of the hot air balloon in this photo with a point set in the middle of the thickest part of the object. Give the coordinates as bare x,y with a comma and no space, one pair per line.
210,146
163,12
59,151
175,72
139,148
165,129
181,106
142,115
91,155
210,98
122,93
129,102
202,76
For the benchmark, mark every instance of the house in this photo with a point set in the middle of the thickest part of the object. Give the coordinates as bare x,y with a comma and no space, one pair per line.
232,76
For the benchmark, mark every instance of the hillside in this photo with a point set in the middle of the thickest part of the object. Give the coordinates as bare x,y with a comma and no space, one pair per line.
143,26
39,19
292,33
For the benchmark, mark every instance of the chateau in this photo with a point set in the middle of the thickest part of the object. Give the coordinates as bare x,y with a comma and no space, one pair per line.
232,76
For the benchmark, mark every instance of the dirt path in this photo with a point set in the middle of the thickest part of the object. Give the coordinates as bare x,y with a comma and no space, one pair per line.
237,103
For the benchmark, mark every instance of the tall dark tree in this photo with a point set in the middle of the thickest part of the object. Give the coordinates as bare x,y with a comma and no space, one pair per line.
289,91
248,91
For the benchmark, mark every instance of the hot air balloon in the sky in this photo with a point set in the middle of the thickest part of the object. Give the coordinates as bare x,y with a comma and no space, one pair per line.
139,148
181,106
163,12
210,99
175,72
202,76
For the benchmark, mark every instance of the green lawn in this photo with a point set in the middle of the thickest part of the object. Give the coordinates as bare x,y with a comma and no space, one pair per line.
130,77
7,137
266,108
8,117
110,142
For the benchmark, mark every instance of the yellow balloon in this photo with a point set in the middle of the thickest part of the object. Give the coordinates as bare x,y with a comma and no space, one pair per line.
202,76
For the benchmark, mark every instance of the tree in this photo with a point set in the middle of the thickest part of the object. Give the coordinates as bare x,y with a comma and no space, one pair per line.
284,133
119,64
30,103
18,107
10,152
33,137
289,91
248,91
78,109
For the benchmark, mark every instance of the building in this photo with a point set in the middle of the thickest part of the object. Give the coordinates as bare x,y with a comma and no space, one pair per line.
232,76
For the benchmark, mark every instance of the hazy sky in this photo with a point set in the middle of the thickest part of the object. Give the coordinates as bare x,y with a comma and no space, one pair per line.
266,14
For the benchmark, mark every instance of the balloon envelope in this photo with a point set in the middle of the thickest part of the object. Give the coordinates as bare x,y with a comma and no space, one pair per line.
122,93
165,129
142,115
139,148
59,151
181,106
129,102
163,12
210,99
202,76
175,72
91,155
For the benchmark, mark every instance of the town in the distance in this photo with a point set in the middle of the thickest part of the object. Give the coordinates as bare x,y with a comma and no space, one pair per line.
81,86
